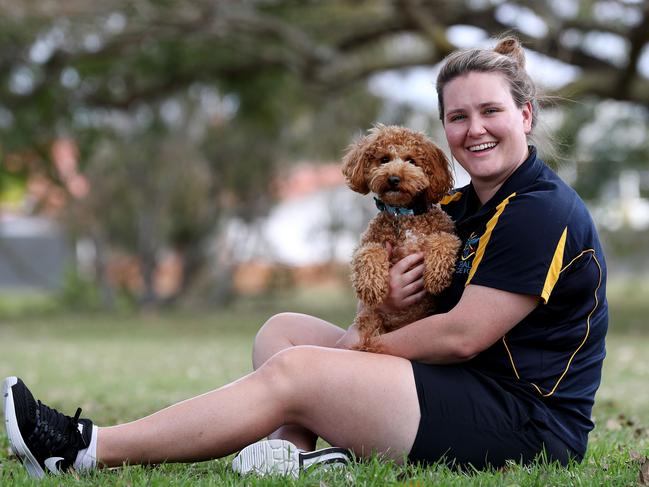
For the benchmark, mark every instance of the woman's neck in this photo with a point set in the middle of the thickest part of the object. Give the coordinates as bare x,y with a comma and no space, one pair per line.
487,188
485,192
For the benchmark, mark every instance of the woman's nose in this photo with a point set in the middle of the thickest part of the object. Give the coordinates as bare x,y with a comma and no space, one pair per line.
476,127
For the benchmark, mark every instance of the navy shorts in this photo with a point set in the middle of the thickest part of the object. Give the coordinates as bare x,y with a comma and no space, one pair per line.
468,419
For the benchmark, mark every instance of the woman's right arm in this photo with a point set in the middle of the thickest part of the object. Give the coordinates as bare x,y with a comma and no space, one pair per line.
482,317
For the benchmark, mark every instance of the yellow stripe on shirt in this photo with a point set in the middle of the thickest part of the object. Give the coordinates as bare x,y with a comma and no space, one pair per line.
555,268
449,198
484,239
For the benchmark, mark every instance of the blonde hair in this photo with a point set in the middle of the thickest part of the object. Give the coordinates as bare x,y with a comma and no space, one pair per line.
507,58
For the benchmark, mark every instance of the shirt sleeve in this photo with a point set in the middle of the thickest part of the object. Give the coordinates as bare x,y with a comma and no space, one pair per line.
522,247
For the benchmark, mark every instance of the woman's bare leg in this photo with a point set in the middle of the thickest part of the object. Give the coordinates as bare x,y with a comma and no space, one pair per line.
362,401
287,330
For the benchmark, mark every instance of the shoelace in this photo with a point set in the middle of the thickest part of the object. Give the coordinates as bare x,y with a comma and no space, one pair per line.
54,430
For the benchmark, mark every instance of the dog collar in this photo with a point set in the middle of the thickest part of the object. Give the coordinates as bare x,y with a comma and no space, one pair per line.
399,210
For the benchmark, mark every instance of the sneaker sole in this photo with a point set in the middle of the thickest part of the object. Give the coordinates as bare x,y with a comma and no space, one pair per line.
18,445
267,458
281,457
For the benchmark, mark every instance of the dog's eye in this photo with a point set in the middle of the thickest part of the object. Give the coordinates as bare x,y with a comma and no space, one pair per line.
385,160
412,161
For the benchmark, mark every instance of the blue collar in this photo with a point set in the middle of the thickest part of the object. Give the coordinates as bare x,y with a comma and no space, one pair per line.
397,210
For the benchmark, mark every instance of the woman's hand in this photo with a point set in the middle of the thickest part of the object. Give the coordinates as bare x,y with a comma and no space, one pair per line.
406,285
350,339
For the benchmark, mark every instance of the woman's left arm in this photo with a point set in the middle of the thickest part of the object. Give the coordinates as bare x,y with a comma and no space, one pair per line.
482,316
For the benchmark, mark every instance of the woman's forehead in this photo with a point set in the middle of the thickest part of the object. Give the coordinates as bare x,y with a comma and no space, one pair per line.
476,89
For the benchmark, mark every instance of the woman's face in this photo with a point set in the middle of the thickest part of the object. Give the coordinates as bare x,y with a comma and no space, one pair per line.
485,130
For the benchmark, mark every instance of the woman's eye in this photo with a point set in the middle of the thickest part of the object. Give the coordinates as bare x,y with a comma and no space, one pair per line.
455,118
491,110
385,160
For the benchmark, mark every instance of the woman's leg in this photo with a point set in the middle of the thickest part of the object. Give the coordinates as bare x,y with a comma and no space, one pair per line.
362,401
287,330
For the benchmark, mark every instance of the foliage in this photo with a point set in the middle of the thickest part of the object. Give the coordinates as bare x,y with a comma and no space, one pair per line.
182,113
599,141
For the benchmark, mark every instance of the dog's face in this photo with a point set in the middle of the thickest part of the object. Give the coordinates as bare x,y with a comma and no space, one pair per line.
397,164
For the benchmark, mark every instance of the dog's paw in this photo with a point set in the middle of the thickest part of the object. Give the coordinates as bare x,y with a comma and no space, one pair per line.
370,274
439,261
372,296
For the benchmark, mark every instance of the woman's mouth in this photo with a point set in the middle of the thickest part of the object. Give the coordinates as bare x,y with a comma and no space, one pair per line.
482,147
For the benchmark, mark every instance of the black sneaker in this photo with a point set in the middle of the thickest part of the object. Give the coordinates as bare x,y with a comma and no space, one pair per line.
42,438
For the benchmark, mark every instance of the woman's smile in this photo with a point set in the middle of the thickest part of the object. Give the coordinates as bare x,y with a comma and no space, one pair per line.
484,147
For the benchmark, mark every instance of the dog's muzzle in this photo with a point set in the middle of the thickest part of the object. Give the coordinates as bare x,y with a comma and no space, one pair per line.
393,181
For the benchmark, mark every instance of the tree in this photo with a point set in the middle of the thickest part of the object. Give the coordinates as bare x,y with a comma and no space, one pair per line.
235,88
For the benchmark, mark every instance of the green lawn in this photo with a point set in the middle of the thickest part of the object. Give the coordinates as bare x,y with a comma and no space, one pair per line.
120,367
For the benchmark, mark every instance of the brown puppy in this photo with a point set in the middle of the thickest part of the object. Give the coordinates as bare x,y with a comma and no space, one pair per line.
409,174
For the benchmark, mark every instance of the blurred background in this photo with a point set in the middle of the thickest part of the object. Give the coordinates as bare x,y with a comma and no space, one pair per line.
170,177
186,153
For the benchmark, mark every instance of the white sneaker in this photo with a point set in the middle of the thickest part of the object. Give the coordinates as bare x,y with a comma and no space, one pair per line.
281,457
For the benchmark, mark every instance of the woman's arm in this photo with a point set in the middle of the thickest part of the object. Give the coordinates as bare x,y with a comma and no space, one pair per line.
482,316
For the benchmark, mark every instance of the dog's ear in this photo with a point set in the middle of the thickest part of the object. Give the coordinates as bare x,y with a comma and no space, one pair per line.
354,163
438,171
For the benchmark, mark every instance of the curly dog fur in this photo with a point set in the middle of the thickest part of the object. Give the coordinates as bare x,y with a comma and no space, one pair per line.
406,170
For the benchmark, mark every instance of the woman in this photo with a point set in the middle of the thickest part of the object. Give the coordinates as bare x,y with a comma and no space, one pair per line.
507,370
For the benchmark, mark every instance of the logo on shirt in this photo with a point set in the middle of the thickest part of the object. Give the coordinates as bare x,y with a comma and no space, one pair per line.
463,265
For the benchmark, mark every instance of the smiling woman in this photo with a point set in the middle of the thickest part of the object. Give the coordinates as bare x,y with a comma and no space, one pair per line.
485,129
488,108
526,236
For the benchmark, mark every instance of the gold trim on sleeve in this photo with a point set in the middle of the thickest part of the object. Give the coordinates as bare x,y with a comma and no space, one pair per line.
555,267
583,341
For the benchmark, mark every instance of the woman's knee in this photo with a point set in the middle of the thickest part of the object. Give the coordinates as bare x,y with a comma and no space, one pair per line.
285,372
288,365
287,330
275,326
273,330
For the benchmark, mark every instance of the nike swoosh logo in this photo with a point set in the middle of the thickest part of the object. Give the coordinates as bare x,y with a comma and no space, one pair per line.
52,464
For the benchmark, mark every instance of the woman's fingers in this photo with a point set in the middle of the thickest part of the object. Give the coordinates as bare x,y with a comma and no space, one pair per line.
413,298
414,274
408,262
406,281
413,287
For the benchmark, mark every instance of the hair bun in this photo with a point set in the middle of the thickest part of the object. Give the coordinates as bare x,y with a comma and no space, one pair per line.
511,47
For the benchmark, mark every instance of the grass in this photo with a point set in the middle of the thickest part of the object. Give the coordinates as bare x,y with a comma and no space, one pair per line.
120,367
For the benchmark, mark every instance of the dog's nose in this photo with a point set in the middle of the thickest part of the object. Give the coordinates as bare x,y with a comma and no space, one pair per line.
394,181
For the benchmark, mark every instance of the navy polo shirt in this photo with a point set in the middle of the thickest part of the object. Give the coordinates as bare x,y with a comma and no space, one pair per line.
536,237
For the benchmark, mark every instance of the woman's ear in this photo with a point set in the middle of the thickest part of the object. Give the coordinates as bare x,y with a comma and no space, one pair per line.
354,162
528,117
